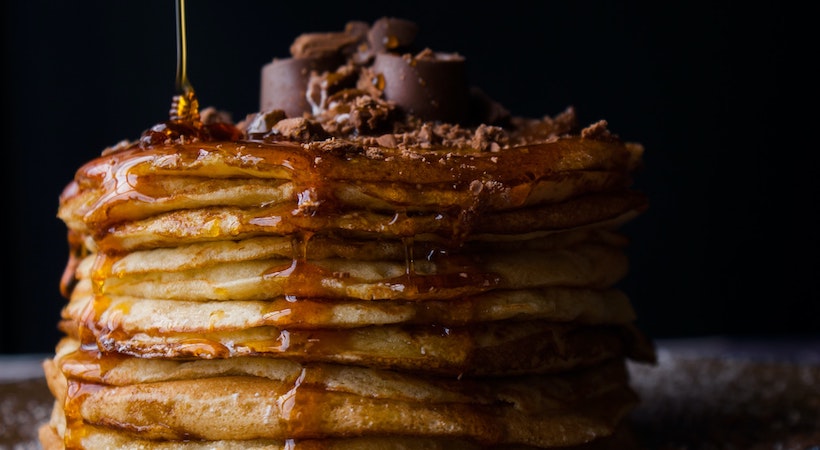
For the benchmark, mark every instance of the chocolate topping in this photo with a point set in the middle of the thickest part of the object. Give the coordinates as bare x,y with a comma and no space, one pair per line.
430,85
284,82
365,86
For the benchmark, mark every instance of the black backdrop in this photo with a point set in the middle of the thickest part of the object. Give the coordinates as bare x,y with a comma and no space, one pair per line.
715,94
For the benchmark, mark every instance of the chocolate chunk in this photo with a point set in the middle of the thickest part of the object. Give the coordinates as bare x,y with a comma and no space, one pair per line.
432,86
263,122
392,35
284,82
299,129
322,45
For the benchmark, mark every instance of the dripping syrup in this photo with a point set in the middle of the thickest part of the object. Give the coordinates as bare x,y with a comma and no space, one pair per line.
184,106
185,122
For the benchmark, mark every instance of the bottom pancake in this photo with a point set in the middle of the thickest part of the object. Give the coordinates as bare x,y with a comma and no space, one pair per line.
622,439
326,401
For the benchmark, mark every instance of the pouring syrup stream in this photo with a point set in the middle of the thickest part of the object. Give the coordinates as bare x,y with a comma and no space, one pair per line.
185,106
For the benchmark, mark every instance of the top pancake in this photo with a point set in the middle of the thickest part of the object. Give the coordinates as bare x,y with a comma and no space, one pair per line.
163,196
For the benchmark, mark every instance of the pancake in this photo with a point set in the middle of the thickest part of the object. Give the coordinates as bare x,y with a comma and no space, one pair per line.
141,315
571,167
584,265
95,437
350,267
281,400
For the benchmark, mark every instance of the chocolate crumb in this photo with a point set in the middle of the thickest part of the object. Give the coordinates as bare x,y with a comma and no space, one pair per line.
599,131
299,129
211,115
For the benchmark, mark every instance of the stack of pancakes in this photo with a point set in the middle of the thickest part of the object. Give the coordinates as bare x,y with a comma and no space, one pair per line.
351,268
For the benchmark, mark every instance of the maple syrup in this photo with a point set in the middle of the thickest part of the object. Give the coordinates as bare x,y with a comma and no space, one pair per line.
185,123
184,106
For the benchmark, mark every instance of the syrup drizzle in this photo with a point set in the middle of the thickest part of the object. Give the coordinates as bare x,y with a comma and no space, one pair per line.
185,123
184,106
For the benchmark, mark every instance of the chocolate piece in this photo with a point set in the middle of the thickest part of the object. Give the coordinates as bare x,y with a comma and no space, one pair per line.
392,35
432,86
321,86
323,45
284,82
299,129
262,122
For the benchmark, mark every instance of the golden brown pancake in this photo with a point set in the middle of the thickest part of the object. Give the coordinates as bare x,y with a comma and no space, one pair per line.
132,315
123,185
95,437
589,265
278,399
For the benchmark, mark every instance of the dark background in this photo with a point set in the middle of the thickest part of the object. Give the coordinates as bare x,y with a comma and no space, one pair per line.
717,95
